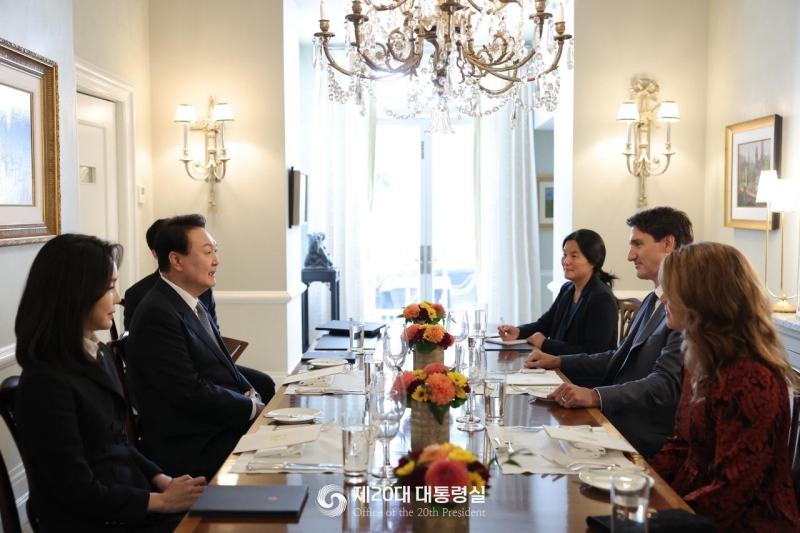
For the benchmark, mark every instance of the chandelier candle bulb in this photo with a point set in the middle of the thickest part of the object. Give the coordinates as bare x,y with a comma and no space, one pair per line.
559,12
323,10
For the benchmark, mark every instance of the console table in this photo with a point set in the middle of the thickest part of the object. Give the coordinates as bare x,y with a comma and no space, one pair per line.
323,275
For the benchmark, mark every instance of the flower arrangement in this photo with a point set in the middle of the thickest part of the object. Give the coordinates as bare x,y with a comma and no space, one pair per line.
424,334
438,386
443,465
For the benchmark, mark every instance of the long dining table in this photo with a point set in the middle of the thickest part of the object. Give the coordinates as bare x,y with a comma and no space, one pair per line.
547,503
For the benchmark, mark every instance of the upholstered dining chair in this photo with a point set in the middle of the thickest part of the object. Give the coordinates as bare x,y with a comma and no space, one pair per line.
117,350
794,441
628,307
8,503
235,347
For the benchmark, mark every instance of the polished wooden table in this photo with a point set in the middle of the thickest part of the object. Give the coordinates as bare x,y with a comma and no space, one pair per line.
514,502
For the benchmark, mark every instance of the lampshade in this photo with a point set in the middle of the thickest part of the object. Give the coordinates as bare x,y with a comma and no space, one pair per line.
185,113
221,113
784,196
628,112
668,112
765,182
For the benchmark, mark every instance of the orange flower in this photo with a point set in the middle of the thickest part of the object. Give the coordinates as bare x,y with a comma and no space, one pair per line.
434,452
408,378
434,333
439,309
411,311
442,389
411,332
435,368
447,473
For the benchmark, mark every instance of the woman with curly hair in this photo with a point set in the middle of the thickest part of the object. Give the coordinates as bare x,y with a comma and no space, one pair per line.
729,457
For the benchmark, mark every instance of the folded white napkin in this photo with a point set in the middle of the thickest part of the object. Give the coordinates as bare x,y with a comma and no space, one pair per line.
293,450
579,450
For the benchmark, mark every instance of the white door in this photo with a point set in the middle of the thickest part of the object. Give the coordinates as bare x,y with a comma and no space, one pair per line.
97,158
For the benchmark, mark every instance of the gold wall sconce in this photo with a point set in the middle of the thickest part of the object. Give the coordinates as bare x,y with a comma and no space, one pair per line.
640,115
780,197
214,164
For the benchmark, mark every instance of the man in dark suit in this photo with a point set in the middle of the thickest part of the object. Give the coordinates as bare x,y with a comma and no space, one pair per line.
194,403
261,382
636,386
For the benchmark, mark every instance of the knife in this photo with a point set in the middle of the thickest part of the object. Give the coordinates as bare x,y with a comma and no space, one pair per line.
294,466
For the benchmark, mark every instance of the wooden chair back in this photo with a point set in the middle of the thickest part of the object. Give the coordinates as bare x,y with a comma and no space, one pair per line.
8,503
235,347
628,307
117,350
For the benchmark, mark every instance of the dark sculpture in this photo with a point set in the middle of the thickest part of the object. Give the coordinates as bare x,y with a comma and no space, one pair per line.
317,256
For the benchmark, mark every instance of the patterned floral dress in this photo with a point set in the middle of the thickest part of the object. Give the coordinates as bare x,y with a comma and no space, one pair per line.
729,456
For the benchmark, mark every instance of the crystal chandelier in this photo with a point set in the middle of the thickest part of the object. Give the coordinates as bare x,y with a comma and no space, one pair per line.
440,55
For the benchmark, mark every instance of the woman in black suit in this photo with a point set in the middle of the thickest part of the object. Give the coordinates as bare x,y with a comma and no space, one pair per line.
82,472
583,318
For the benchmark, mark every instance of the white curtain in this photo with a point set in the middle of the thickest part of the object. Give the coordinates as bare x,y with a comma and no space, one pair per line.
339,191
507,220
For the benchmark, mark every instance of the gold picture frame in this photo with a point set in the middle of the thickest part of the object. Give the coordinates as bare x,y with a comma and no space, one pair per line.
750,147
30,201
545,197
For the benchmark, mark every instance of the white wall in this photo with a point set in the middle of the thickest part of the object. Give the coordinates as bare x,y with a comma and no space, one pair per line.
45,28
241,52
753,65
115,37
617,40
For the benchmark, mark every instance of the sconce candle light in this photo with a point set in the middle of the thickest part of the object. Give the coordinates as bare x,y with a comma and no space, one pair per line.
780,197
639,116
214,165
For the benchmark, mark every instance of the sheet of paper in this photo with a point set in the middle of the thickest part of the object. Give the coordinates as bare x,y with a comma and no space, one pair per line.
547,378
312,374
261,440
498,340
596,438
347,383
326,449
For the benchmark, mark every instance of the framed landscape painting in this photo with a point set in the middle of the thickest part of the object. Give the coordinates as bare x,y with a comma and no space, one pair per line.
750,147
30,210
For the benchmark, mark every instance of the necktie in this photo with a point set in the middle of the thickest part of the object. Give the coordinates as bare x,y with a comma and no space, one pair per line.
203,316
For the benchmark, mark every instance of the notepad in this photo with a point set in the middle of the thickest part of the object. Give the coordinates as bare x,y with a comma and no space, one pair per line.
498,340
262,440
251,500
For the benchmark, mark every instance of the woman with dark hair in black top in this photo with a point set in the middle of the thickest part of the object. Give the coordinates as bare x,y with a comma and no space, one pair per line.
583,317
82,472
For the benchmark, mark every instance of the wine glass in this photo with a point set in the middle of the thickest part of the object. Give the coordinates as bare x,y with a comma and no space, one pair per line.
458,327
387,408
473,366
395,348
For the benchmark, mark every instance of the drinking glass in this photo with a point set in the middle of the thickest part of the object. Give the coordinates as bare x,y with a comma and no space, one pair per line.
477,327
494,399
356,442
630,495
473,366
395,348
458,327
387,408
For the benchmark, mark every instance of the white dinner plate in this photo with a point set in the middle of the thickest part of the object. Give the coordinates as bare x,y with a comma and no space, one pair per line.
325,362
295,415
601,479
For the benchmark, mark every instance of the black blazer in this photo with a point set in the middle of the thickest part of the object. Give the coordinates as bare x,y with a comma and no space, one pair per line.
593,327
81,471
136,293
189,393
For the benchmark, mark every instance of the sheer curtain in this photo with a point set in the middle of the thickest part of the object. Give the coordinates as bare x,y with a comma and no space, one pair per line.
507,219
339,193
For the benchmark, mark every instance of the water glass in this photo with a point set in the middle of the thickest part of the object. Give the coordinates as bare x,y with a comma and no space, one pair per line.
356,439
473,366
371,367
494,391
630,495
477,327
357,335
395,348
